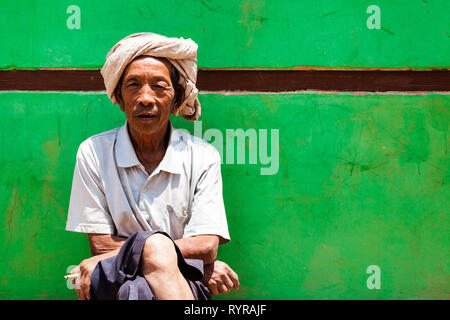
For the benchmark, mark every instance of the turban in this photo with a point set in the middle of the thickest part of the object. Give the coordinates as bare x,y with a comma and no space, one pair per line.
181,53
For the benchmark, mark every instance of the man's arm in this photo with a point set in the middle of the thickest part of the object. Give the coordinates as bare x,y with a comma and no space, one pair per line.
103,243
202,247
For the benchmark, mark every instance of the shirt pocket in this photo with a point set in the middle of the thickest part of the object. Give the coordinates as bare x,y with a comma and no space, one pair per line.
178,215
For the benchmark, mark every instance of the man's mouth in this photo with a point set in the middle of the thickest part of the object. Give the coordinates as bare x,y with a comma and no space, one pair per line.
146,116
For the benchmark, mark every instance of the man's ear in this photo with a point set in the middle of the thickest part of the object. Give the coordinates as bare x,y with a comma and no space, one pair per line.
118,96
178,99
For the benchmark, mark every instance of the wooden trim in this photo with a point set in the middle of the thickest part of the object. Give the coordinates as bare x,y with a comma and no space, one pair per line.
244,80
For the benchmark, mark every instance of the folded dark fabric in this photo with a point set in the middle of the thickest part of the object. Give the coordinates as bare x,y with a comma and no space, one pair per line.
119,278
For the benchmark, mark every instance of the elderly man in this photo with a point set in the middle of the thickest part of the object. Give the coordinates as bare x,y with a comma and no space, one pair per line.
149,196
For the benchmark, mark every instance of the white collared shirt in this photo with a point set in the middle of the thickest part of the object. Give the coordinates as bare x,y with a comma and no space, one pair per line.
113,194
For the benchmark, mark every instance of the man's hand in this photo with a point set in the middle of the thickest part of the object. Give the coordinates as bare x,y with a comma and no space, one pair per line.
220,278
85,269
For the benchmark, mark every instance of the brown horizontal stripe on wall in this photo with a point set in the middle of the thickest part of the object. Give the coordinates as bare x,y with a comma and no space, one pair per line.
244,80
52,80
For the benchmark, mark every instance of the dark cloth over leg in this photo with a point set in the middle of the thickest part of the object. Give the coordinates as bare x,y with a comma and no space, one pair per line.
119,277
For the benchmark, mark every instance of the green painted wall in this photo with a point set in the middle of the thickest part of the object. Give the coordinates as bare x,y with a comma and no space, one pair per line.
362,180
232,34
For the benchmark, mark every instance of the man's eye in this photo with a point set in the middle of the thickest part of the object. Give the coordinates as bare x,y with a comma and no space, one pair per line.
159,87
132,84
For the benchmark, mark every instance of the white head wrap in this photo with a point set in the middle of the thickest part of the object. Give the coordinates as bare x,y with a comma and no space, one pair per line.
181,53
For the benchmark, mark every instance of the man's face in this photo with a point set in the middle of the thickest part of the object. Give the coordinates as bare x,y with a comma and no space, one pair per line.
147,95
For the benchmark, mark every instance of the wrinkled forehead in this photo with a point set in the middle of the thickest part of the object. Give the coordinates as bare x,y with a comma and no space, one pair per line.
157,62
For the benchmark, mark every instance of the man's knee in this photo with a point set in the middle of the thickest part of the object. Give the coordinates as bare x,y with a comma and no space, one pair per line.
159,254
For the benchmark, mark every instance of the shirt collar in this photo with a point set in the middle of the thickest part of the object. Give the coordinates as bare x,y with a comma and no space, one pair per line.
126,156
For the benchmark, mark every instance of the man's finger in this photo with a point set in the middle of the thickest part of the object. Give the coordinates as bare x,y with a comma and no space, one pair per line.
213,290
87,291
228,282
87,285
224,289
235,279
83,286
75,270
78,294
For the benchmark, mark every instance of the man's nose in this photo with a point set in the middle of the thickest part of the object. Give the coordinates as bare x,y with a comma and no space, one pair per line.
146,96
